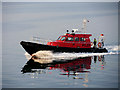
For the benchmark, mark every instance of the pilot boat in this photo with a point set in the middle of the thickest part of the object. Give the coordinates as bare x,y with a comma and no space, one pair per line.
70,42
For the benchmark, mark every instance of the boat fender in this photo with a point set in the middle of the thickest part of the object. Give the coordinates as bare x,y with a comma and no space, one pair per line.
99,44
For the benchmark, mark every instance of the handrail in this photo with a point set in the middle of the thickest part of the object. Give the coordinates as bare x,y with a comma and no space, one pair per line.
40,40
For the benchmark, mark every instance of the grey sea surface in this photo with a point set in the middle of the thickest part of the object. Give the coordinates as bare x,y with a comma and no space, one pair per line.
82,72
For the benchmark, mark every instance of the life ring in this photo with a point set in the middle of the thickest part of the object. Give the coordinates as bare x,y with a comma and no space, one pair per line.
99,44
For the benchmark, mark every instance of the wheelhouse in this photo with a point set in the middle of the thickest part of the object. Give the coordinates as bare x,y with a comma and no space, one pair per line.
72,41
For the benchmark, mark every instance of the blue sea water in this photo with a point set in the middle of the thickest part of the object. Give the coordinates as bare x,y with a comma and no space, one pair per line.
92,71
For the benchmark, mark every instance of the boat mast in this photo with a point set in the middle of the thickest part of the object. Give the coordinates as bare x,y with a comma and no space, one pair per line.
84,24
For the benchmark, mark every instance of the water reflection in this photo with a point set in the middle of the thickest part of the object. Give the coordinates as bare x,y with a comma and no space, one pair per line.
101,60
78,68
67,67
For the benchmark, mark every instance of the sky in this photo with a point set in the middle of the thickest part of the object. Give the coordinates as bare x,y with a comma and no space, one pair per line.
49,20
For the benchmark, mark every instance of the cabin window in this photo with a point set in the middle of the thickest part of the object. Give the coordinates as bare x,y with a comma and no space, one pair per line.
82,39
69,39
76,38
63,38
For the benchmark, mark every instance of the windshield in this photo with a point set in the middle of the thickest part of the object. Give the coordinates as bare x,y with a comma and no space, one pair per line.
69,39
63,38
59,38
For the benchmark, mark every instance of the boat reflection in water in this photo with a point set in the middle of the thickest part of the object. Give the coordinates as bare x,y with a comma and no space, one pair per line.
68,67
78,68
101,59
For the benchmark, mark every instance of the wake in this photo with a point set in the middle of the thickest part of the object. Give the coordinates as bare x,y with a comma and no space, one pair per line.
49,55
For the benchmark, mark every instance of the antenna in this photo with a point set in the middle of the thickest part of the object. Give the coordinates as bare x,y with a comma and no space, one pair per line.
84,24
